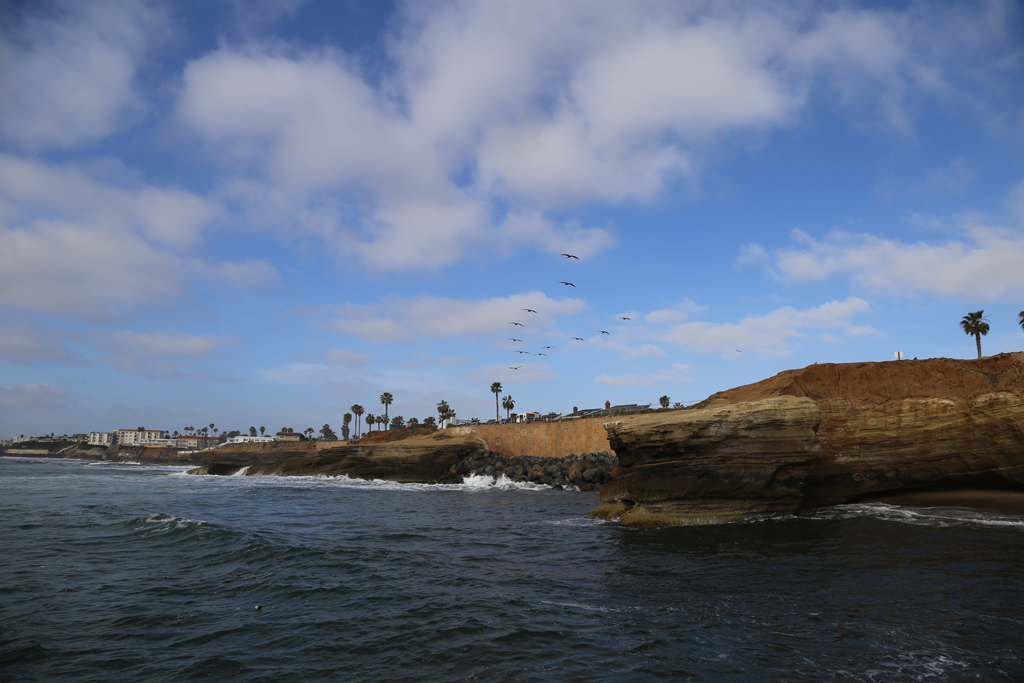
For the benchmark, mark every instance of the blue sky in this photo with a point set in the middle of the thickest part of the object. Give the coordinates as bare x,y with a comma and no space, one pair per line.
261,213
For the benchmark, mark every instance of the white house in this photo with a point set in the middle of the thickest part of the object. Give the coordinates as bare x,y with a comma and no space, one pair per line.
250,439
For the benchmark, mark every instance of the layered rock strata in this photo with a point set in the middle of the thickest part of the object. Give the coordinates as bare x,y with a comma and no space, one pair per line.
823,435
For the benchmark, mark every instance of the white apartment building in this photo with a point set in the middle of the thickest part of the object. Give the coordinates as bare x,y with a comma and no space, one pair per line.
101,438
250,439
131,437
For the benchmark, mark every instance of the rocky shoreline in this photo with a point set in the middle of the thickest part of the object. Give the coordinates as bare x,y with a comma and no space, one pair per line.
586,472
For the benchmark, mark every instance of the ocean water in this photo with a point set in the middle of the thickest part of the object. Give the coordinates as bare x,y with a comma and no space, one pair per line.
134,573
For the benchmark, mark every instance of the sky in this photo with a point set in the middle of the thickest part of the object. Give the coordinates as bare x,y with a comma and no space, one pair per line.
261,213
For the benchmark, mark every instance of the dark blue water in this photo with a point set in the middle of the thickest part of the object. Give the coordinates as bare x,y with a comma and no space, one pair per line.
132,573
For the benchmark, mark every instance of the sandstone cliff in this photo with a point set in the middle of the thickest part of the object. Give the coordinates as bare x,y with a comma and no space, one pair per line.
417,459
822,435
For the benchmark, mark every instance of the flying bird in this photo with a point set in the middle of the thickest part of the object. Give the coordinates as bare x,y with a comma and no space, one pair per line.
514,367
571,256
514,339
520,324
529,310
738,351
540,354
622,317
522,352
567,283
547,347
579,339
603,332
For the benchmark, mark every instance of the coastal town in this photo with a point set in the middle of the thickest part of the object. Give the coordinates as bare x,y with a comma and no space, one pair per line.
192,439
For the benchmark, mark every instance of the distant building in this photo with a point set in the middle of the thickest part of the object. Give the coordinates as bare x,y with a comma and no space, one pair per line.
250,439
131,437
289,436
157,442
196,443
101,438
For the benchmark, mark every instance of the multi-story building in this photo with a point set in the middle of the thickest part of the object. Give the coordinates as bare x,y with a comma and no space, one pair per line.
101,438
196,443
131,437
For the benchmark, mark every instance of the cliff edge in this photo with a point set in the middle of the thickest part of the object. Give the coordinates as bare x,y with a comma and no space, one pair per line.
823,435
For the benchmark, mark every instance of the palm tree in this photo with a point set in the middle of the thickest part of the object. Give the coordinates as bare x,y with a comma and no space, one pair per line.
977,324
386,398
664,401
262,430
357,410
496,389
308,432
370,420
445,411
413,423
508,403
1020,319
430,422
346,420
213,428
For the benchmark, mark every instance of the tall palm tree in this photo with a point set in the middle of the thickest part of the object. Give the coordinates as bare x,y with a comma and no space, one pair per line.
386,398
496,389
346,420
977,324
370,420
445,411
262,430
508,403
357,410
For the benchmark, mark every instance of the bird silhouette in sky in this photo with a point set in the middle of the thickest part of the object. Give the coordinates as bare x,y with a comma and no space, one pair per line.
738,351
514,339
547,347
520,324
603,332
579,339
571,256
622,317
529,310
567,283
540,354
522,352
514,367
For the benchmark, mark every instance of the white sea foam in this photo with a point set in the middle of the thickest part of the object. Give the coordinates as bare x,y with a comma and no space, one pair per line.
241,472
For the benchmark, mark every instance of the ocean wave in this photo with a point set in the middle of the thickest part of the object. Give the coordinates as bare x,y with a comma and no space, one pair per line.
161,523
471,483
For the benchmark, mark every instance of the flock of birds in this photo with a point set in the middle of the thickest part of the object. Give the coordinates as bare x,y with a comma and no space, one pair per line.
530,310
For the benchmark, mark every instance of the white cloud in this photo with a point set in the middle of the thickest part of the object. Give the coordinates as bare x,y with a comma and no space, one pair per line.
249,274
23,342
30,189
82,270
156,354
677,373
771,333
67,69
985,262
519,373
442,318
349,359
33,397
494,113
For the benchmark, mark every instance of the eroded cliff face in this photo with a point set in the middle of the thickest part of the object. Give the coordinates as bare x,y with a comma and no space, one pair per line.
823,435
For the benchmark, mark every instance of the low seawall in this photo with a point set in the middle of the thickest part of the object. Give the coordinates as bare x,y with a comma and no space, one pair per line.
542,439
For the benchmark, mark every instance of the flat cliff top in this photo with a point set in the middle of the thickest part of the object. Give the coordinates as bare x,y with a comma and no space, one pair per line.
880,382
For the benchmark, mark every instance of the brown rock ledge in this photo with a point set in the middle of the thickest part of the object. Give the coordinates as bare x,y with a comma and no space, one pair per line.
823,435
